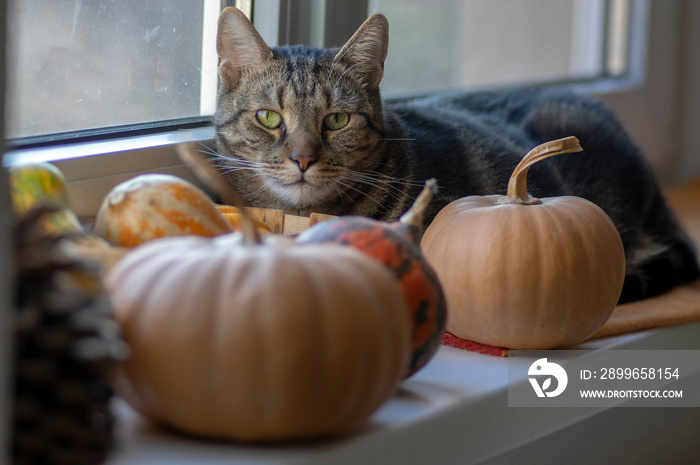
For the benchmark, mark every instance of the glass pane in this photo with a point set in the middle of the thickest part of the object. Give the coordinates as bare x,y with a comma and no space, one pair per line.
450,44
78,64
618,36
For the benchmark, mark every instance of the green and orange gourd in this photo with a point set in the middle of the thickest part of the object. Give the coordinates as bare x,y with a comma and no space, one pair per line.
42,183
396,245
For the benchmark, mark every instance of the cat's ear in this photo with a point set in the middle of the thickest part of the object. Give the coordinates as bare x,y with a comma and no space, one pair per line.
239,46
366,50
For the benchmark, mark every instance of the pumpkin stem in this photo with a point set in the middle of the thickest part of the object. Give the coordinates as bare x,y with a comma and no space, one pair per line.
517,185
209,176
415,215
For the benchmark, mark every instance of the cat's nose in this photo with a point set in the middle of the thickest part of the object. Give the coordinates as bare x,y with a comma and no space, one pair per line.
303,161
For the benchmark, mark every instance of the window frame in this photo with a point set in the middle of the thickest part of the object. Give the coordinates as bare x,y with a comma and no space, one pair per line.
7,338
149,127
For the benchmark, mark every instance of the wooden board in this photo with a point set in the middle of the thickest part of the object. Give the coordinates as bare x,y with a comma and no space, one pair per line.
280,223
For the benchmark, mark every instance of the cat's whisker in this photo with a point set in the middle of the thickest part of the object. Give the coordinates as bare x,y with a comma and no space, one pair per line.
219,157
377,179
235,163
232,168
226,165
361,178
348,186
264,186
238,170
394,191
342,195
405,180
208,150
229,165
241,172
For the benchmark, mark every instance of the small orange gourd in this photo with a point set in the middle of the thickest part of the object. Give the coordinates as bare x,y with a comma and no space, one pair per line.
526,273
157,205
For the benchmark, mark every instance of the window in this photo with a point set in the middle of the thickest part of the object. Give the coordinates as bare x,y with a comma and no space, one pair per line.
479,43
631,41
85,65
101,65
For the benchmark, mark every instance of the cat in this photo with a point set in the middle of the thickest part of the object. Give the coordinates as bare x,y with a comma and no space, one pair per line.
305,130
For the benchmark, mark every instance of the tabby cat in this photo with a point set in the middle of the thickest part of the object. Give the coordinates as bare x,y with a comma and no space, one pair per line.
305,130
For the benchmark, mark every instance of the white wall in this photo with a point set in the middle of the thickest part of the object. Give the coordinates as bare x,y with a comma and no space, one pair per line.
689,162
663,115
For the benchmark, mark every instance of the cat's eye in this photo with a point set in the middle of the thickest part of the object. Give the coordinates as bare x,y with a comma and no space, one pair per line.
336,121
268,118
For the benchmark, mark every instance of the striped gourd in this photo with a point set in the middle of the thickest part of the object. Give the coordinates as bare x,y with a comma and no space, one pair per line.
157,205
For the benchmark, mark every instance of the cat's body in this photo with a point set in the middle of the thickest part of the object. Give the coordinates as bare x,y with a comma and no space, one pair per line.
326,143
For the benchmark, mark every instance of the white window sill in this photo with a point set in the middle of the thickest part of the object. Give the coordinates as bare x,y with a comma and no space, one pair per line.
455,410
124,145
93,168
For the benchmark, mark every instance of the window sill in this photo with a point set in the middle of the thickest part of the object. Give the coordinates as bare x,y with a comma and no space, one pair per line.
454,408
93,168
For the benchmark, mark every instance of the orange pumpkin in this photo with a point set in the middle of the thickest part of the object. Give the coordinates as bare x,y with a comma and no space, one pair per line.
258,342
526,273
157,205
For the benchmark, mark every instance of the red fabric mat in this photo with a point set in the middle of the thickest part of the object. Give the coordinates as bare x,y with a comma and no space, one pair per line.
453,341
